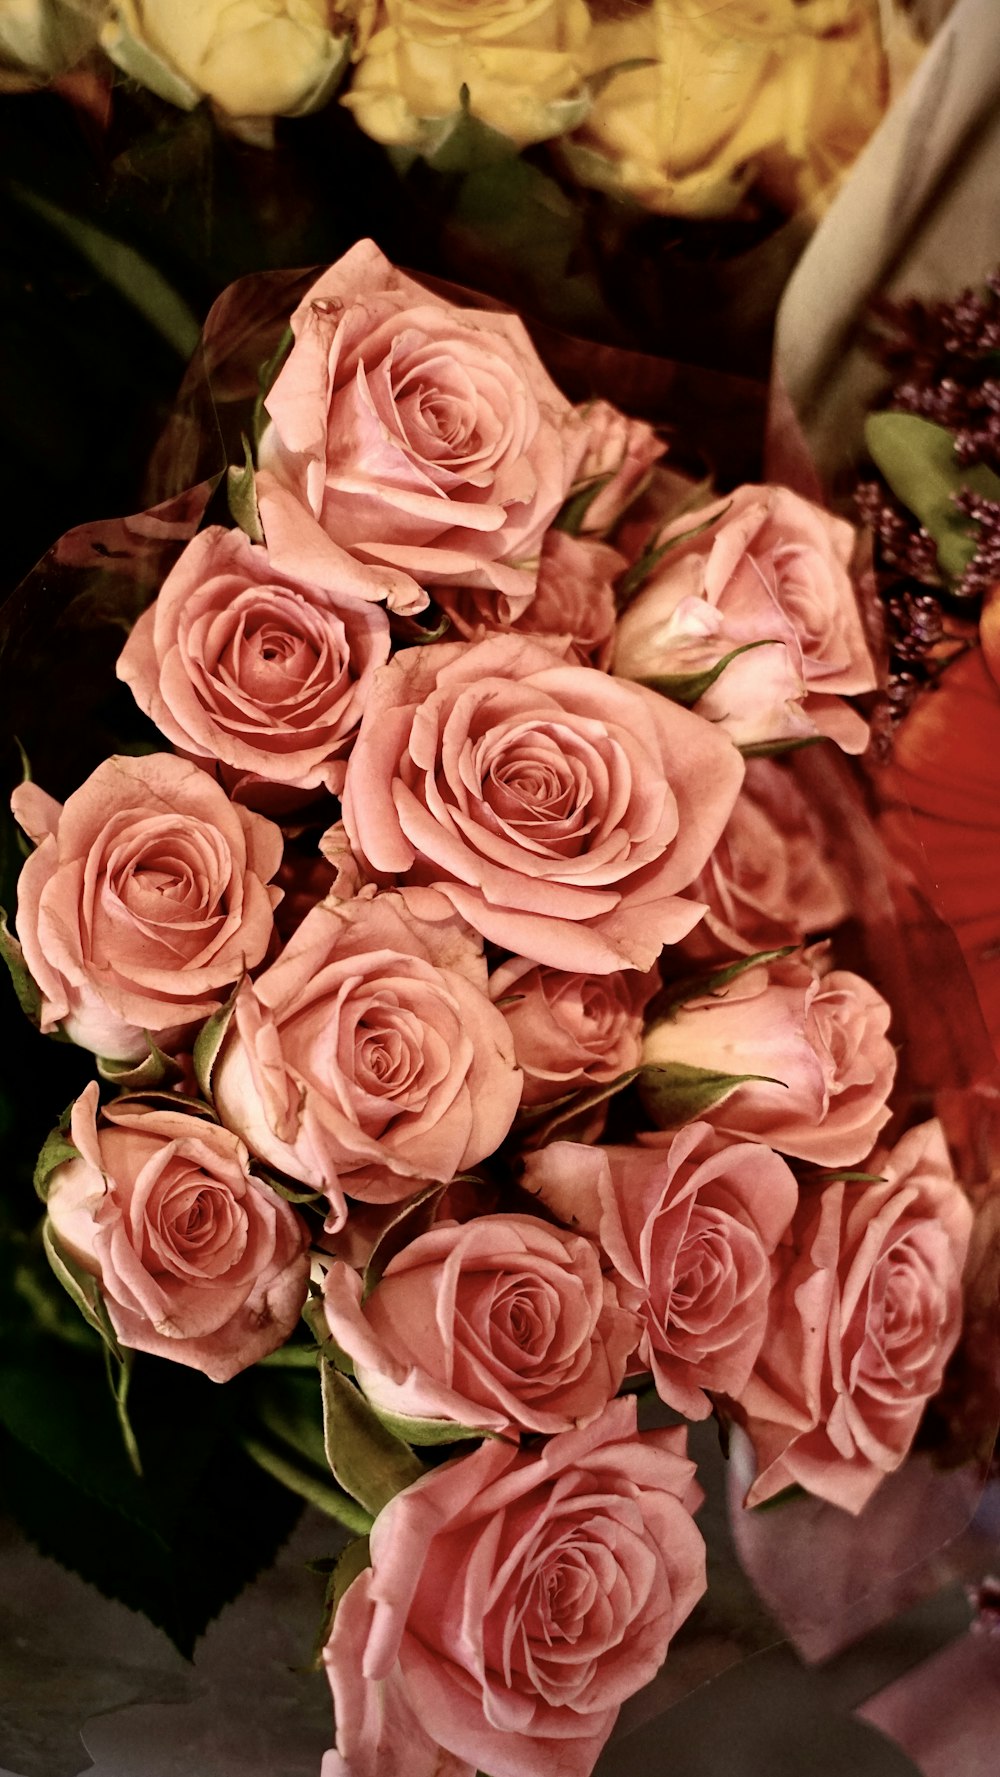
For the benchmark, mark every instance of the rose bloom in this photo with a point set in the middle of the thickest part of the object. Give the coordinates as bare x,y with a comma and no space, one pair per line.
257,676
622,449
521,61
820,1043
771,880
196,1259
775,95
573,606
571,1031
145,900
865,1311
515,1600
422,440
253,58
369,1053
503,1323
771,570
688,1225
560,811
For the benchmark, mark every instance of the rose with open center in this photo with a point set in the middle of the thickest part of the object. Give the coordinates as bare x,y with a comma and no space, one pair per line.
368,1057
560,811
571,1031
503,1322
197,1260
411,442
866,1309
145,899
688,1225
515,1600
260,678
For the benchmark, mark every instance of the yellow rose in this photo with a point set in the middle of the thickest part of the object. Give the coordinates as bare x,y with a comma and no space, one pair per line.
778,94
522,62
253,58
40,39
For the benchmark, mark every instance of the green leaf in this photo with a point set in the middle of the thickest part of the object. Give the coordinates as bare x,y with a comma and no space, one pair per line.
654,552
686,688
209,1041
284,1434
177,1543
241,493
120,265
674,1093
368,1461
414,1218
56,1149
28,997
918,461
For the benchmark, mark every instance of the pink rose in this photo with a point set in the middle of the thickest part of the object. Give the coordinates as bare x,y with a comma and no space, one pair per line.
816,1045
865,1311
770,570
197,1260
503,1323
517,1599
144,902
571,1031
623,449
688,1226
771,880
425,441
574,601
258,677
369,1055
560,811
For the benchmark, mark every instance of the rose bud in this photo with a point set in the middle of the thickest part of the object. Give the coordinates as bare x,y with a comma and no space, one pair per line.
515,1600
573,607
504,1323
772,879
144,902
782,1055
196,1260
866,1309
759,601
687,1225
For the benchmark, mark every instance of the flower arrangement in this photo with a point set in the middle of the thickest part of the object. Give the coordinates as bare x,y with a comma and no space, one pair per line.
485,1060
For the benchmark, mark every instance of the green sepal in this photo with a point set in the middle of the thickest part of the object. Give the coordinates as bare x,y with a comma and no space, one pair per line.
209,1041
844,1178
918,460
366,1459
408,633
56,1149
653,554
241,493
414,1218
314,1315
82,1288
341,1573
28,996
266,378
773,749
428,1432
285,1438
137,1076
786,1497
542,1120
686,688
674,1093
300,1199
595,83
710,985
574,510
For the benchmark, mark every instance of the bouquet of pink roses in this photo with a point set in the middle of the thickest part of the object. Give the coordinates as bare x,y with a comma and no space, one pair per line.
481,1012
